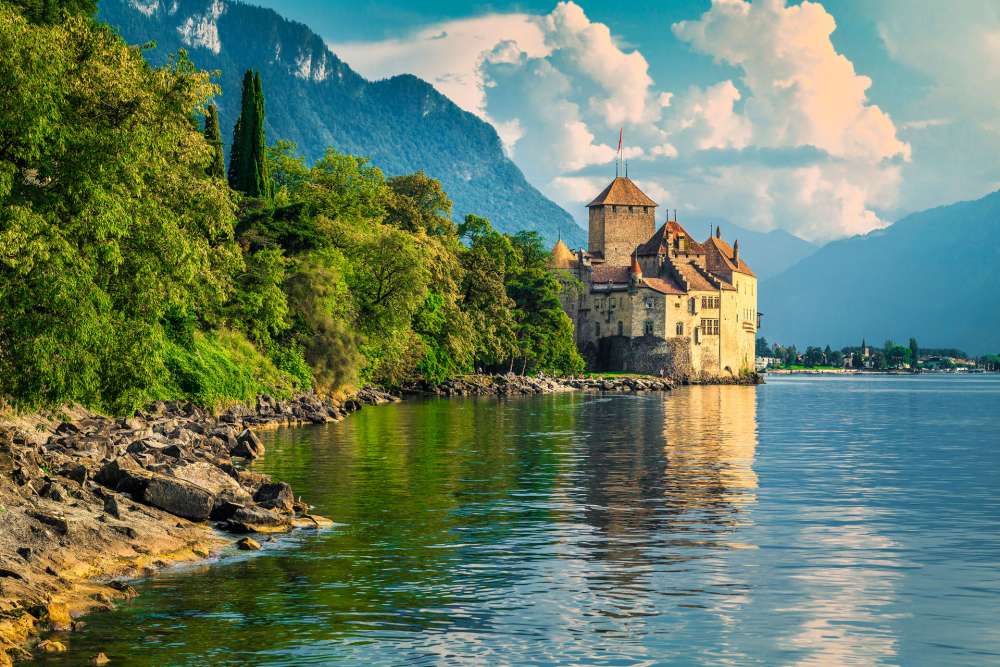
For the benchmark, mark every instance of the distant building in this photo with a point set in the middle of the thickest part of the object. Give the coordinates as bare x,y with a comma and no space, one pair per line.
655,300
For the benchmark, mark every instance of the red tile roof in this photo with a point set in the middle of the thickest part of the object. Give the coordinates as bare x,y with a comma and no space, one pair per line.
603,273
663,286
725,253
622,191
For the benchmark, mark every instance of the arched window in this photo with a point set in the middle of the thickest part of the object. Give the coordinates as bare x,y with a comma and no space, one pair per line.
648,328
621,328
680,328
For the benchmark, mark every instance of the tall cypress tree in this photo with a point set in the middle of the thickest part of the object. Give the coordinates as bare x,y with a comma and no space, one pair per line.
261,172
217,168
248,170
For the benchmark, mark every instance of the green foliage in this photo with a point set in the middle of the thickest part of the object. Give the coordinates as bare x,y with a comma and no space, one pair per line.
54,11
108,218
219,368
125,275
248,164
217,167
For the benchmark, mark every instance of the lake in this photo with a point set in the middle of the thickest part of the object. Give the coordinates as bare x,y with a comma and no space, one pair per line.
812,520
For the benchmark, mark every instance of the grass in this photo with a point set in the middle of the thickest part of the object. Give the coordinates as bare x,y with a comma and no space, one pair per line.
221,368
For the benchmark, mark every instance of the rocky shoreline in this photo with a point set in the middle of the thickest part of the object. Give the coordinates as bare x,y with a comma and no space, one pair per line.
90,502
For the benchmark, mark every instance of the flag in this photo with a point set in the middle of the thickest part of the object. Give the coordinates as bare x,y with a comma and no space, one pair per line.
620,131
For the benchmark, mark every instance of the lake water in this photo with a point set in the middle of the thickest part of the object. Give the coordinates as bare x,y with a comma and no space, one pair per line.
812,520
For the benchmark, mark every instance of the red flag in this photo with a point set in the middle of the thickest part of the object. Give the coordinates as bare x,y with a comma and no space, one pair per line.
620,130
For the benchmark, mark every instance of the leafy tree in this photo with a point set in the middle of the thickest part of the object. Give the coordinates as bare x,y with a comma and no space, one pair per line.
419,203
914,354
108,218
217,168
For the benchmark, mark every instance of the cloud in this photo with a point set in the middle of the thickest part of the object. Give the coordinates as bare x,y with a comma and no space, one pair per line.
791,141
448,54
801,91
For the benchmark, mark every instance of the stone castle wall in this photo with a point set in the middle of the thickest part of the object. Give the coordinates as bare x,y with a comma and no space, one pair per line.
616,230
645,354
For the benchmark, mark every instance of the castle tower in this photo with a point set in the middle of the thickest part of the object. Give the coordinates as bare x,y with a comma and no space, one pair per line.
621,218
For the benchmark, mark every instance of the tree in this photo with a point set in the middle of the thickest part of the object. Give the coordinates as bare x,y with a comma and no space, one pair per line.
914,354
54,11
109,221
217,168
419,203
761,349
248,165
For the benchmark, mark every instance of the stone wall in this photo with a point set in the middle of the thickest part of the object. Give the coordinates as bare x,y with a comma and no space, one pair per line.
645,354
615,231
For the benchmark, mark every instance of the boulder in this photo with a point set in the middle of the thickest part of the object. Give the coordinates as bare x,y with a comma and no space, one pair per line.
248,445
213,480
248,544
275,495
124,474
179,497
258,520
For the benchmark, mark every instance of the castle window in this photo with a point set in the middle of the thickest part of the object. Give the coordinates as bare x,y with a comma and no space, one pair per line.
597,329
710,327
680,328
709,302
648,328
692,305
621,328
649,304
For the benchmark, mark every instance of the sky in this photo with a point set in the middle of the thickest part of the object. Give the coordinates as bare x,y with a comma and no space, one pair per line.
825,119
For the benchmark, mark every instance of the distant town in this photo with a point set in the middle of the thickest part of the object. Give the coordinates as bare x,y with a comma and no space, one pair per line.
890,357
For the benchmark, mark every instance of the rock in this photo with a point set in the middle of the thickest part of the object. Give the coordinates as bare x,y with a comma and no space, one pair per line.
77,473
124,474
275,495
100,660
248,445
212,479
24,552
57,521
111,506
57,615
54,491
179,498
173,451
248,544
258,520
52,646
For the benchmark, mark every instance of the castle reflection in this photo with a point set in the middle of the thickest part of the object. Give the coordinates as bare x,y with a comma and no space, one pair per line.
671,483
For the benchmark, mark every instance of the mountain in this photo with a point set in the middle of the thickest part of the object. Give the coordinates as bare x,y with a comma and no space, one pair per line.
316,100
934,275
767,253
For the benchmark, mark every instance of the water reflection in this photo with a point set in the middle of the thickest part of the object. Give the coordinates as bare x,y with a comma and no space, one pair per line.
802,522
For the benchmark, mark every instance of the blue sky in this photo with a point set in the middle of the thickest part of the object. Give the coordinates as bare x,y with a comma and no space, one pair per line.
822,118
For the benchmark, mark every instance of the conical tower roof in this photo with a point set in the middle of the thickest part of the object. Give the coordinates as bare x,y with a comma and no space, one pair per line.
562,256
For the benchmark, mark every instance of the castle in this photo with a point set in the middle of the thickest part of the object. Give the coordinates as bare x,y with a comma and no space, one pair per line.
649,300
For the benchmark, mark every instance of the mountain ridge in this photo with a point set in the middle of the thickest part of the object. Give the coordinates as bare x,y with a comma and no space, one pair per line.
931,275
313,98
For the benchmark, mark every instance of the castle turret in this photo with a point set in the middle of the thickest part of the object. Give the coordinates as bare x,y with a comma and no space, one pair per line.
621,218
562,256
635,273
